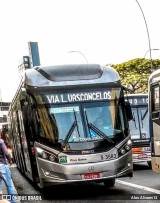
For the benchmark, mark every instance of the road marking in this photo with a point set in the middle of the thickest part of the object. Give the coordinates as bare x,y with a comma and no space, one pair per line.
139,186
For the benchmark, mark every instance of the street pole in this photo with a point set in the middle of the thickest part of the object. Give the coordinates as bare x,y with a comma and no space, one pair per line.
151,50
149,43
79,53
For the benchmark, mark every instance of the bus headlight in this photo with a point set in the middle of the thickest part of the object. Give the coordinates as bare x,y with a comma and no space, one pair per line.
123,151
126,147
46,155
52,157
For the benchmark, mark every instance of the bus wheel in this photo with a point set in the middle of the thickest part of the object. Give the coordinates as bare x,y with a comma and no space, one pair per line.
149,164
109,182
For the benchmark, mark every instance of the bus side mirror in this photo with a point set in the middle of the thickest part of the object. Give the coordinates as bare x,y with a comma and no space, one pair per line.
128,111
23,96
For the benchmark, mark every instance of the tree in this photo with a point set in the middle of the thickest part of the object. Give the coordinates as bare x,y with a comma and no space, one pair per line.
135,73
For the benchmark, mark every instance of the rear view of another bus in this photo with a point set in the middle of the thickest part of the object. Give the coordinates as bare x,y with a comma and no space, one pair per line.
139,128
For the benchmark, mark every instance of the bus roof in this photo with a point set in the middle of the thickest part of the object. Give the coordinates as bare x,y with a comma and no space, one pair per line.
70,75
155,76
137,95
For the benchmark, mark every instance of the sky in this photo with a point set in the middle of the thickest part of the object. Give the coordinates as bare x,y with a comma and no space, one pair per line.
104,31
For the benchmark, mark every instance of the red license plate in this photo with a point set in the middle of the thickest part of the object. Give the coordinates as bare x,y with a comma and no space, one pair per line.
91,175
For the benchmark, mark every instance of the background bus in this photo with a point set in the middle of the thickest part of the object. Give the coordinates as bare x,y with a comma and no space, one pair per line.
154,113
139,128
53,122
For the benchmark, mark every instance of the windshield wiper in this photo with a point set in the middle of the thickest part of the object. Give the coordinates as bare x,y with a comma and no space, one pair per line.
71,129
99,132
96,130
88,123
144,115
134,120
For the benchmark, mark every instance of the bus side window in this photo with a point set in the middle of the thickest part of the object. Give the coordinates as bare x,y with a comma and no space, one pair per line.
155,98
47,122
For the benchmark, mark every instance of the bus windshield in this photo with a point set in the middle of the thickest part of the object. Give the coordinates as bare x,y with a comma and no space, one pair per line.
98,114
139,127
76,122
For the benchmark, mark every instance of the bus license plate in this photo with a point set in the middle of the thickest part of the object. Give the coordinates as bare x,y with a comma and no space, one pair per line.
91,175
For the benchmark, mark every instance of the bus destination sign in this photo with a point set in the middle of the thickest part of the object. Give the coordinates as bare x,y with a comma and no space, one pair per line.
82,96
138,101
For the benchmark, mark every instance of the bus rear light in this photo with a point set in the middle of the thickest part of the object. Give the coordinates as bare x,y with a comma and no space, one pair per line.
137,150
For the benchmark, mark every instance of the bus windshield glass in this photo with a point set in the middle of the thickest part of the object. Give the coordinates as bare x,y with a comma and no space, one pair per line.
82,120
139,125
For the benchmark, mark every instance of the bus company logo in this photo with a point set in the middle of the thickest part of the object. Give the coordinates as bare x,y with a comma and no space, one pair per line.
91,168
87,152
62,159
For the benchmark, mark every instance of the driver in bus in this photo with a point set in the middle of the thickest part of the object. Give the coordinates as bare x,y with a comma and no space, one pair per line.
98,123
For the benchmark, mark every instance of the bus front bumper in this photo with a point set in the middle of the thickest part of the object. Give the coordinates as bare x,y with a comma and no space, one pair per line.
54,173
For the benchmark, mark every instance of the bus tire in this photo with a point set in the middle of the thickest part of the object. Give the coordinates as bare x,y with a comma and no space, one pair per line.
109,182
149,164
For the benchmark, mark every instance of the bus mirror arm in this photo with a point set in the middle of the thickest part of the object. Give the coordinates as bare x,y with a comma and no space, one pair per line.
127,89
128,111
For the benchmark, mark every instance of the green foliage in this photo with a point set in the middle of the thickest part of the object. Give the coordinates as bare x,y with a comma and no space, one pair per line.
135,73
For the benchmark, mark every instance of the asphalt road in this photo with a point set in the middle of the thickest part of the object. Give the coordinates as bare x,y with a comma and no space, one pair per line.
145,185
